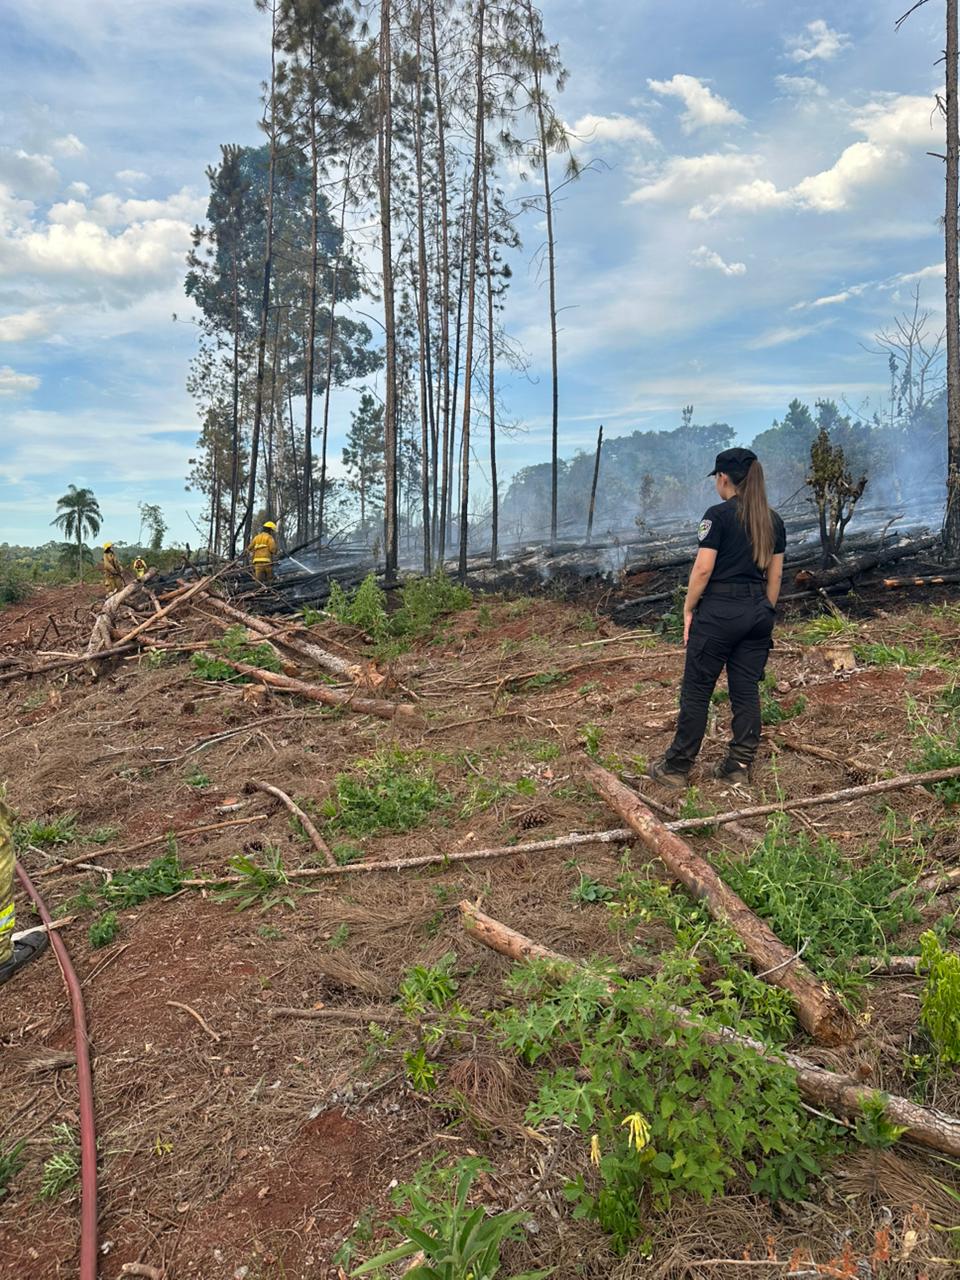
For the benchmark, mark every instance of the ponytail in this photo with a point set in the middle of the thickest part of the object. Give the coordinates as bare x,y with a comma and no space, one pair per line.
755,514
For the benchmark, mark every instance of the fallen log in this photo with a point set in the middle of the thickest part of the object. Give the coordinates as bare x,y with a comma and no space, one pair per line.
827,797
862,564
923,1125
300,643
101,637
858,768
72,660
819,1009
314,835
937,580
894,966
167,609
322,693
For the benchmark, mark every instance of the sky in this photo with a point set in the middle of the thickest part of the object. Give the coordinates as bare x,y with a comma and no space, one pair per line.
758,203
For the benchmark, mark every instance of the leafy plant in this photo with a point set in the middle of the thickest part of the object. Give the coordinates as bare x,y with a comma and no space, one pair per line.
429,986
235,646
197,778
774,712
46,833
366,608
670,625
881,654
163,876
104,929
12,1161
940,998
828,626
103,835
936,750
310,616
591,738
266,883
590,890
345,851
457,1242
424,600
873,1128
84,900
813,897
666,1111
62,1169
392,794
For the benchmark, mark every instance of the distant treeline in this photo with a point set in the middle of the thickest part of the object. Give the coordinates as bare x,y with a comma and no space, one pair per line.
648,477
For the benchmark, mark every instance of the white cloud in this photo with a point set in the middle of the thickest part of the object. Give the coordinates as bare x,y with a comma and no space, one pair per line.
23,326
801,86
683,177
900,120
27,173
817,41
703,106
15,384
745,197
68,145
131,177
858,165
832,299
78,189
935,270
780,335
710,260
616,128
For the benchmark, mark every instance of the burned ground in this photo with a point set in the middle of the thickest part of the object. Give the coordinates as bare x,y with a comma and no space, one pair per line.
255,1145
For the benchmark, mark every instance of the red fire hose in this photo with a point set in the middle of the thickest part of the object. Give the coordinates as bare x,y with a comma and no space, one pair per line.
88,1126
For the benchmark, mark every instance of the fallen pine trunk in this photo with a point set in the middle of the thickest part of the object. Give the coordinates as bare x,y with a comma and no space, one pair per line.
101,637
300,644
939,580
819,1009
862,564
923,1125
314,835
322,693
167,609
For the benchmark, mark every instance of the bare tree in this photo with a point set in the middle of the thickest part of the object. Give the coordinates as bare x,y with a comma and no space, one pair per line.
918,357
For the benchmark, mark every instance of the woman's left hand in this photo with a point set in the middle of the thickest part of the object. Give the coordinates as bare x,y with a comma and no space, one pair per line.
687,623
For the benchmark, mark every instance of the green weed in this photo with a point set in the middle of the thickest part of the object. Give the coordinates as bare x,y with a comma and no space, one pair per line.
46,833
104,929
62,1169
162,877
235,646
873,1128
774,712
266,884
591,738
829,626
936,750
590,891
940,998
12,1161
84,900
392,793
339,937
424,600
345,851
457,1242
198,779
102,835
310,616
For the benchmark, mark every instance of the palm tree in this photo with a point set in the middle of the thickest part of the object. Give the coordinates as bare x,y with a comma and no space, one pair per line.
78,513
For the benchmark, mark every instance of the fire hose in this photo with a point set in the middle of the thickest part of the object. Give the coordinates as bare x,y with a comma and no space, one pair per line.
88,1128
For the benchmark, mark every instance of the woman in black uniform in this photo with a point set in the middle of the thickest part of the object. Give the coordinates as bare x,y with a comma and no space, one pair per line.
728,617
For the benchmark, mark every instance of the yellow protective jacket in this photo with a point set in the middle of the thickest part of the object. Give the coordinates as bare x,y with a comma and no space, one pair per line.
263,549
140,567
111,565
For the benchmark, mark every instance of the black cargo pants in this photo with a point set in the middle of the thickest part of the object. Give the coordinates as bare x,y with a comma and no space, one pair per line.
732,628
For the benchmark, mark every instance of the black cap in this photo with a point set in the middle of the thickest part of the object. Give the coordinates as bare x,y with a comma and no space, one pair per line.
734,463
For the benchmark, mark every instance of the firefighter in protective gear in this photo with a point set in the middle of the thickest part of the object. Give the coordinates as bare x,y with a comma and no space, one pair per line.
262,550
139,567
13,955
112,569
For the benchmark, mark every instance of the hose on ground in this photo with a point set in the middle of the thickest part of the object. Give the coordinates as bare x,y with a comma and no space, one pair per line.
88,1126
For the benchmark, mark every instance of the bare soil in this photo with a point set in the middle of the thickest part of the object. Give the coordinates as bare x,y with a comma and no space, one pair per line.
254,1154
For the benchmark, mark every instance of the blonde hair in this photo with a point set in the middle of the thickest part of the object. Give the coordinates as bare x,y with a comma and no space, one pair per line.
755,514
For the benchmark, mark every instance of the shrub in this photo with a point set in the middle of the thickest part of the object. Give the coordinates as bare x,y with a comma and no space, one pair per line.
391,794
104,929
940,1000
235,646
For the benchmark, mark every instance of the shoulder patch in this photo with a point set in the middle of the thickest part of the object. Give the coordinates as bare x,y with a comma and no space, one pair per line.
703,529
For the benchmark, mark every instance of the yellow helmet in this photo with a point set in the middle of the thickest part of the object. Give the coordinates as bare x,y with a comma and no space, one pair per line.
268,524
107,546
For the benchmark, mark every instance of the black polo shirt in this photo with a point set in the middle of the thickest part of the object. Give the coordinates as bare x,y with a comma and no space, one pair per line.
722,530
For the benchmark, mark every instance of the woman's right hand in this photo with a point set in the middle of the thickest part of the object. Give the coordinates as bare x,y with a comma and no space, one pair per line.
687,624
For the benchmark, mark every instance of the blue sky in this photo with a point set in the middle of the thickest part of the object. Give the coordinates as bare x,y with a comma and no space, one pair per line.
762,203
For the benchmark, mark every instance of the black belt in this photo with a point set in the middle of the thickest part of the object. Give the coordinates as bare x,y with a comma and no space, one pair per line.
735,589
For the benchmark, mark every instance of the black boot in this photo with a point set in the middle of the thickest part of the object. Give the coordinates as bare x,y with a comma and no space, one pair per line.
732,771
668,775
25,949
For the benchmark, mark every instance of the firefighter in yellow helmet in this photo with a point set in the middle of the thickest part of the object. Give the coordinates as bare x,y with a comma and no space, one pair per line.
13,955
112,569
262,550
139,567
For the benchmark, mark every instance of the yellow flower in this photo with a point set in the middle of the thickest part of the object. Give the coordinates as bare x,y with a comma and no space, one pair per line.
638,1130
594,1149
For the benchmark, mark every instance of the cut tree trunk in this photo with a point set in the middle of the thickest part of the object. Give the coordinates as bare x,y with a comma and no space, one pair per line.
818,1008
862,564
101,637
301,644
923,1125
321,693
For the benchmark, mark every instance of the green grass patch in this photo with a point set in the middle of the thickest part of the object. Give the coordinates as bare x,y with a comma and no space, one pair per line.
235,646
163,876
389,791
104,930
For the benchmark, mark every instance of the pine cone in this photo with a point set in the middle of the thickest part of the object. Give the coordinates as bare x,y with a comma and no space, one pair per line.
532,818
